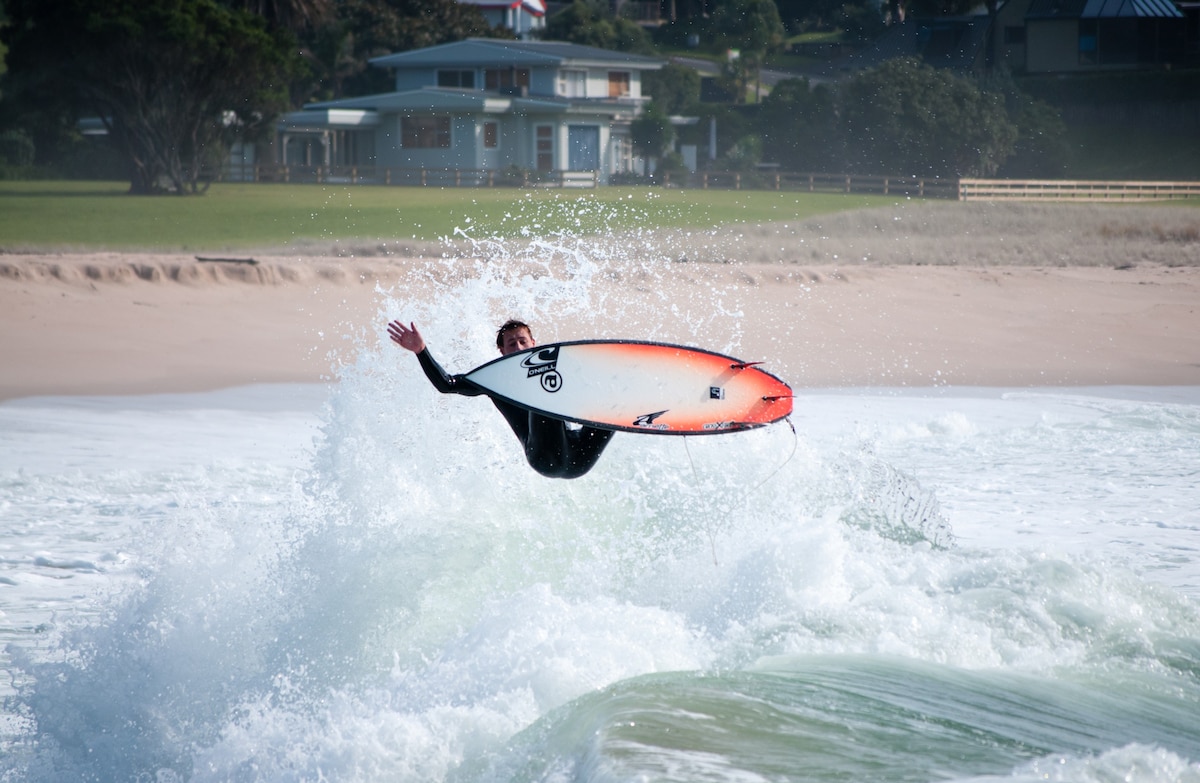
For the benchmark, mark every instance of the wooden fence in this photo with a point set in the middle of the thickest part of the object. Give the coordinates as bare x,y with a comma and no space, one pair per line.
763,179
1073,190
379,175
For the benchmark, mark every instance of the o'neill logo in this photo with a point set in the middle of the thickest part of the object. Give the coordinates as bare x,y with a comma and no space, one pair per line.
647,421
541,364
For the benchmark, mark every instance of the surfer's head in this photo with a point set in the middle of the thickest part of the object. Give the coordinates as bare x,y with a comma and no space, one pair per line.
514,336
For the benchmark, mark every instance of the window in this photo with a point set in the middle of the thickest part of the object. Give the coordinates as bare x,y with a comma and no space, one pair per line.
456,79
425,132
618,84
491,135
499,78
572,83
545,147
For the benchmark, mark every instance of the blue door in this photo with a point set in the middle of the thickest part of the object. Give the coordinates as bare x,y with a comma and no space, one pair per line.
584,148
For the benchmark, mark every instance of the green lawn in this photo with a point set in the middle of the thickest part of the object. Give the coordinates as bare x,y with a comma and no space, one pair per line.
65,215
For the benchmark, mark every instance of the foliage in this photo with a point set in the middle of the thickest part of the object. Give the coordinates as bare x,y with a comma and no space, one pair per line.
168,78
373,28
16,148
674,88
753,28
589,23
798,125
748,25
744,155
906,117
1041,149
651,133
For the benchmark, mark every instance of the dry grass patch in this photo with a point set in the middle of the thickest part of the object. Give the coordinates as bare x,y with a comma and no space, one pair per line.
967,234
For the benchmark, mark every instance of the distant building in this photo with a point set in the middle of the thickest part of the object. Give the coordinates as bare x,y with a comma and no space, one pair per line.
482,106
523,17
1043,36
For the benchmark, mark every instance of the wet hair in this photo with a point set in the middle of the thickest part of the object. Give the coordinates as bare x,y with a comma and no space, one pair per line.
508,326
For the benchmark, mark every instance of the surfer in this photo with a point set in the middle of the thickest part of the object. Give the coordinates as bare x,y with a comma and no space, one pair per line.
552,447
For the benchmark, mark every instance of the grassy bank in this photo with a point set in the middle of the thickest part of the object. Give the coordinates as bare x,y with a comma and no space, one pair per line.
78,215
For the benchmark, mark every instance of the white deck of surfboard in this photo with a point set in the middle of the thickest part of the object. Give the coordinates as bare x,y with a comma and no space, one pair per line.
638,387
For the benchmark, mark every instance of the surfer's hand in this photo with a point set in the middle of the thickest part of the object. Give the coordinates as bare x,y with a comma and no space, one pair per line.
406,336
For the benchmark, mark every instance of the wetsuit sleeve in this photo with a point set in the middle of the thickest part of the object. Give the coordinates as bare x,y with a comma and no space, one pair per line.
443,381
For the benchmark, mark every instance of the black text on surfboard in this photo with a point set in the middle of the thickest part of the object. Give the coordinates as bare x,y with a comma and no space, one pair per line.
542,363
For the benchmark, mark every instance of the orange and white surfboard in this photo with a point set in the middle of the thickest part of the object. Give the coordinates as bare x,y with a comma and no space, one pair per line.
637,386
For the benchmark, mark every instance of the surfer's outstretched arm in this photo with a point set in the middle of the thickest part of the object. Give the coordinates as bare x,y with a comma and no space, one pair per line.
409,338
550,447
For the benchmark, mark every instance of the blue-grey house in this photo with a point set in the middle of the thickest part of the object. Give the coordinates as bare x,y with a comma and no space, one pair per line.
478,107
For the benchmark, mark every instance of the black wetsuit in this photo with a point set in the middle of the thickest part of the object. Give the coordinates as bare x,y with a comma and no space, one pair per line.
550,447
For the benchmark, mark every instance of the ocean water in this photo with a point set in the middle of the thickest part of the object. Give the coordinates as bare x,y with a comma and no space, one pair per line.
364,581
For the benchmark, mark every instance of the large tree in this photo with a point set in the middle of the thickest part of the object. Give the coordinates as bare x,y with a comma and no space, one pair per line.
798,128
169,79
906,117
372,28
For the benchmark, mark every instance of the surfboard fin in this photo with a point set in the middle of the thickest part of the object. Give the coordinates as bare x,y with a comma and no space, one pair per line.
777,397
744,365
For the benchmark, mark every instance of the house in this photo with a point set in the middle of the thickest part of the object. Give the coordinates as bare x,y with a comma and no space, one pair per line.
523,17
1078,35
478,107
1041,36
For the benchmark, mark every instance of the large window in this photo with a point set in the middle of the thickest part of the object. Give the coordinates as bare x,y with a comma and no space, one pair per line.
425,132
456,78
498,78
572,83
618,84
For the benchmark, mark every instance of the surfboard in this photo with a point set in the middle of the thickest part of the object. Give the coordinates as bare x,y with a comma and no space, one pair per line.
635,386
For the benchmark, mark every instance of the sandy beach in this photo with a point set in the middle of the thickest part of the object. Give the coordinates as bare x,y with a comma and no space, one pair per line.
928,296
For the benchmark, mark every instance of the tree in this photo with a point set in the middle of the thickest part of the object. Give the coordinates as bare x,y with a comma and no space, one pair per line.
168,78
906,117
651,133
373,28
674,88
591,24
294,15
754,29
797,123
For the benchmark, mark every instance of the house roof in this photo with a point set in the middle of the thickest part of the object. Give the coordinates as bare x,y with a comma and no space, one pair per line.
1103,9
501,53
443,99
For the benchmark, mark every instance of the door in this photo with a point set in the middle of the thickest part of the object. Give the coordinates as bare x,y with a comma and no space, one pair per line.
583,142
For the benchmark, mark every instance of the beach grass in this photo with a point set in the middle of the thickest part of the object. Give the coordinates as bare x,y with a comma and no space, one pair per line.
60,215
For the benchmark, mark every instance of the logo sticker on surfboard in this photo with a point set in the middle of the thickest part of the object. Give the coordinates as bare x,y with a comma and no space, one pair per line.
542,364
647,421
